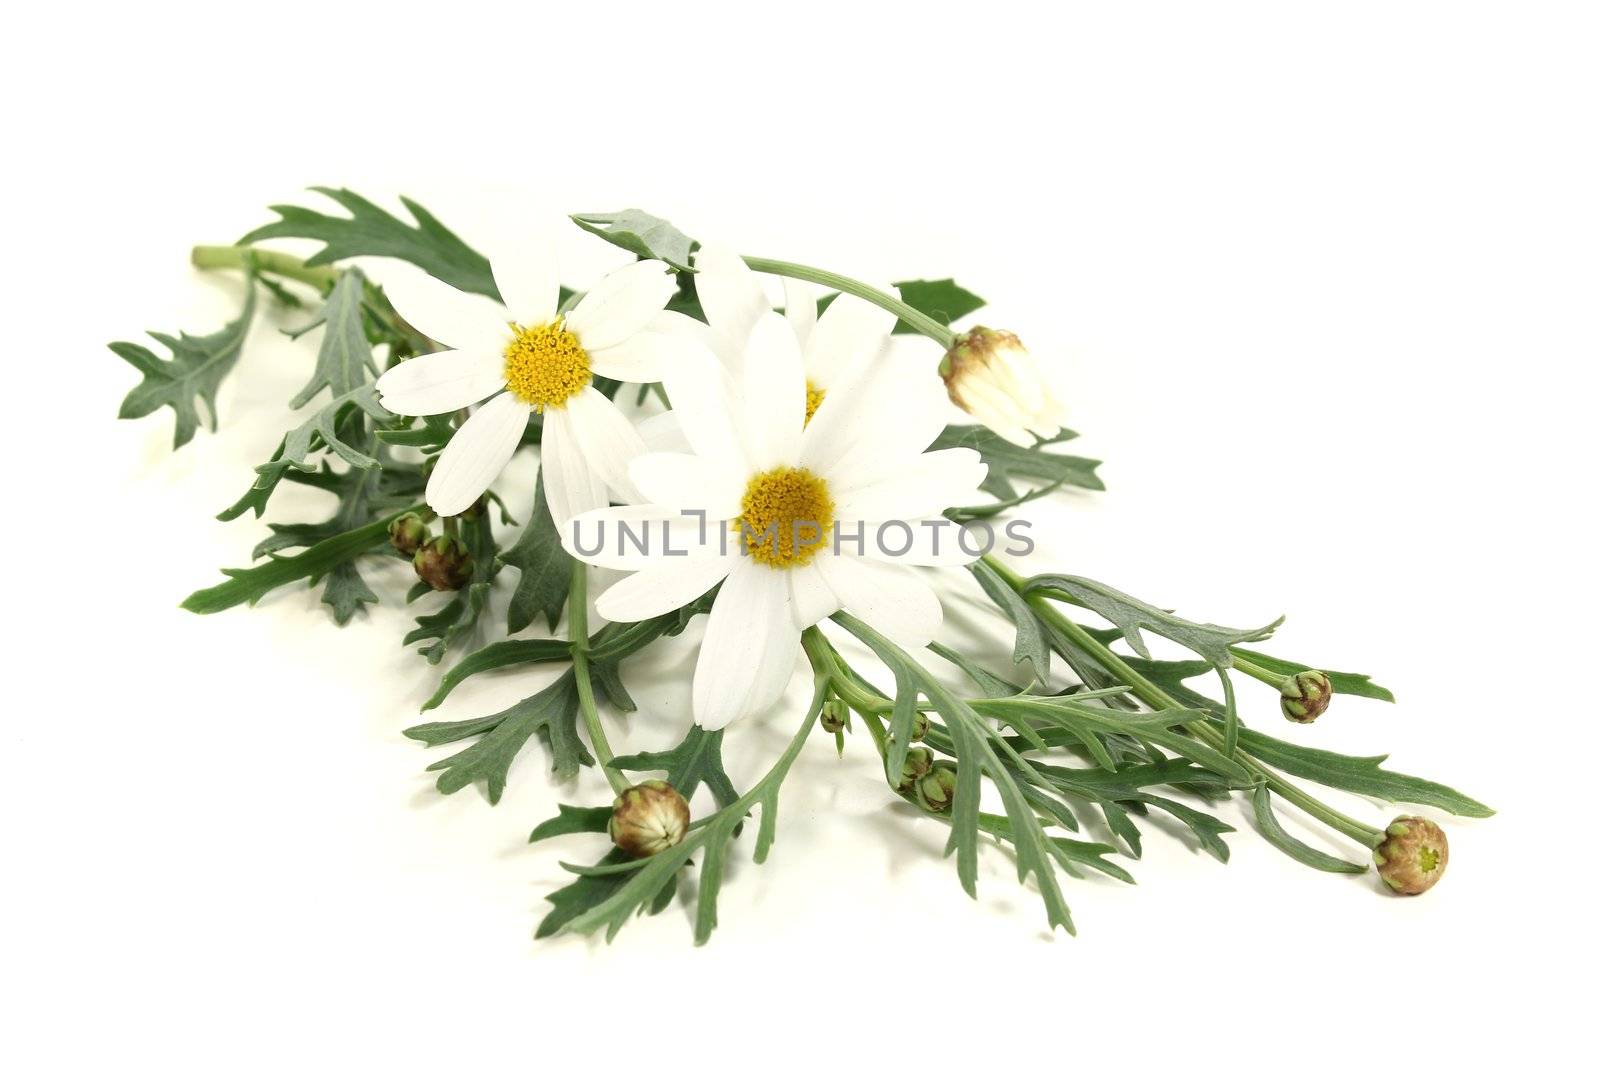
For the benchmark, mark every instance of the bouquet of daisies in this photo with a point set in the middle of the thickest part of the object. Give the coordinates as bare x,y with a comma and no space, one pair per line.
792,475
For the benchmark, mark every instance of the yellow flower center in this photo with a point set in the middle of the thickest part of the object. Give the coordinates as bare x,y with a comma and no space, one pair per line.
785,516
814,398
545,365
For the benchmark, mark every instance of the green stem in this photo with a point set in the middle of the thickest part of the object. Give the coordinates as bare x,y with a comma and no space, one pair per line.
1147,691
1260,673
578,632
923,324
239,257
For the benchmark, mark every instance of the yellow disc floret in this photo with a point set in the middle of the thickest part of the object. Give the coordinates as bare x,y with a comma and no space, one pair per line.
785,516
545,365
814,398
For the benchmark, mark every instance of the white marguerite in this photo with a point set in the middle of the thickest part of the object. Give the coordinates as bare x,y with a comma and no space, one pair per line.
771,505
991,375
847,333
528,357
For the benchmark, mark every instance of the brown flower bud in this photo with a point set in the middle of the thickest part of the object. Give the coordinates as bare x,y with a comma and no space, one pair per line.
835,716
919,761
407,533
444,563
991,375
1305,696
648,818
1413,855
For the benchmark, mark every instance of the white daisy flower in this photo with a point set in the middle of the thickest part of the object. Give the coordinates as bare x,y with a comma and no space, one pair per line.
849,332
528,357
764,479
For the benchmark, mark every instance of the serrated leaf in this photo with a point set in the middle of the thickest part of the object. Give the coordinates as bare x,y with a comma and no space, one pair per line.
1032,645
573,820
695,759
371,231
941,300
344,359
191,376
1270,829
1131,615
544,566
552,713
1007,461
1363,775
643,234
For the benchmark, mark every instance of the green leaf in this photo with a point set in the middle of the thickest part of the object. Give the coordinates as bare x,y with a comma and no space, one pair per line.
1033,646
192,375
552,713
371,231
1131,615
1363,775
458,619
344,360
496,656
544,566
1007,461
1267,823
642,234
942,300
573,820
1356,685
695,759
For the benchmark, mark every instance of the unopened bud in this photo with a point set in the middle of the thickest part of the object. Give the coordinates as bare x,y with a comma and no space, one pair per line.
1413,855
835,716
648,818
919,761
937,789
992,376
407,533
1305,696
444,563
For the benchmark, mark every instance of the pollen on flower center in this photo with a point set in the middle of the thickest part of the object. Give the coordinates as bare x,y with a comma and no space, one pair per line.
814,397
785,516
545,365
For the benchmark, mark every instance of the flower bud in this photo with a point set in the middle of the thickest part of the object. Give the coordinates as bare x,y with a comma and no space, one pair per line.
990,375
835,716
407,533
444,563
919,761
937,789
1305,696
648,818
1413,855
919,727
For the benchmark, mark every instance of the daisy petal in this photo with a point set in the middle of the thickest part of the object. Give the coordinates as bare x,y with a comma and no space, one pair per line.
476,454
927,485
622,304
748,653
732,299
774,392
890,598
663,432
446,314
687,482
850,331
570,487
703,397
639,358
607,440
636,537
883,412
441,381
529,278
928,542
663,588
800,308
810,598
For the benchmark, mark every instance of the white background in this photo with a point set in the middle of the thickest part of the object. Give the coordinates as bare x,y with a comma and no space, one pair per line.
1324,281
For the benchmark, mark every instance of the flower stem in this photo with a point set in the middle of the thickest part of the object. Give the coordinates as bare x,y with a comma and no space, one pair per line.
239,257
1149,693
922,323
1259,673
578,633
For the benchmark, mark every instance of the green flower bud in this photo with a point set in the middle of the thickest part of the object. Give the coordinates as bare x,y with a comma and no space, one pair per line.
937,789
919,727
444,563
648,818
1305,696
407,533
1413,855
835,716
919,761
